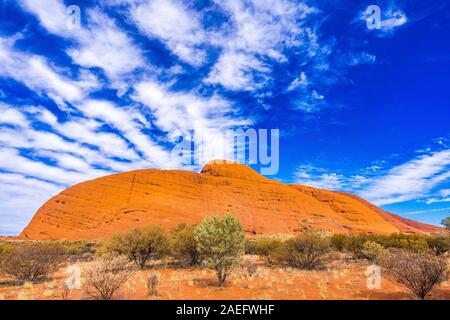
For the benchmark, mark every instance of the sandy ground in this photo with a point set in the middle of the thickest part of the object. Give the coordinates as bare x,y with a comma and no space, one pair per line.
338,280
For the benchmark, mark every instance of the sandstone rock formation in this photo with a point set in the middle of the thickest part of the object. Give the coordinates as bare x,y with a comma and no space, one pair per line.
102,207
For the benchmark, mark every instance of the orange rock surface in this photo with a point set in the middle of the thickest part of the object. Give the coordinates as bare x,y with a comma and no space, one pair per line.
105,206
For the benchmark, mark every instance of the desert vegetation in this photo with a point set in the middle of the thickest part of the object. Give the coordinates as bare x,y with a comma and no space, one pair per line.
413,242
419,271
221,243
218,248
140,245
31,262
184,247
107,274
307,251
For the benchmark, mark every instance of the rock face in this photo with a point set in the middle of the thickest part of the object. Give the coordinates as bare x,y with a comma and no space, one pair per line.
105,206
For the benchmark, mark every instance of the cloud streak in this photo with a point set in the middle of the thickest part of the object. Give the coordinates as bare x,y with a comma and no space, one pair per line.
415,179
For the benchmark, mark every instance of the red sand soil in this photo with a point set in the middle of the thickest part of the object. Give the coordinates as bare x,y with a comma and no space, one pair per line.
102,207
339,280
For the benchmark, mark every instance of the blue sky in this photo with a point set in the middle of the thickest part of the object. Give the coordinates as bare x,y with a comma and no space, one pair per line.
361,110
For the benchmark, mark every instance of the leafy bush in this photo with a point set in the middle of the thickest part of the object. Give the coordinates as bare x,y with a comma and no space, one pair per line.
184,246
438,244
446,223
140,244
268,247
419,271
340,242
250,246
371,250
32,261
221,243
5,247
78,247
107,274
306,251
413,242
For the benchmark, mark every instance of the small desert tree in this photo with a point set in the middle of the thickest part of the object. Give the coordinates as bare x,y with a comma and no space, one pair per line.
418,271
446,223
221,243
140,244
306,251
32,262
371,250
107,274
184,246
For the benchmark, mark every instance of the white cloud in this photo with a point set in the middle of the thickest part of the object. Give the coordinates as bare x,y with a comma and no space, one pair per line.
393,19
105,46
38,75
51,14
256,32
320,178
300,81
416,179
259,31
360,58
441,196
429,211
237,71
411,180
174,24
129,125
178,113
100,43
20,197
12,161
83,131
11,116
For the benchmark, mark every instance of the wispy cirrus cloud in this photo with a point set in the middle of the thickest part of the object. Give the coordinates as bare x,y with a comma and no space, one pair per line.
37,73
100,43
416,179
411,180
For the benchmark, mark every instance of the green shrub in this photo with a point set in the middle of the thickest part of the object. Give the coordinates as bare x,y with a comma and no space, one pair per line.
250,246
446,223
371,250
32,261
184,247
5,247
140,245
340,242
413,242
221,243
306,251
268,247
415,245
77,247
439,244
